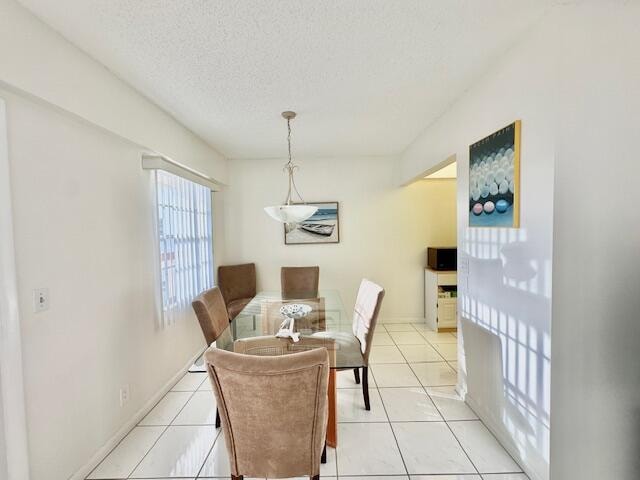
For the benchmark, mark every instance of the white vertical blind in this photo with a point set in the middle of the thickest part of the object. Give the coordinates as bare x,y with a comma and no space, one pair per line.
185,237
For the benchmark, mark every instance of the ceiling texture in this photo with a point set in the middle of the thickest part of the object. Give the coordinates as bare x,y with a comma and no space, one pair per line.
365,76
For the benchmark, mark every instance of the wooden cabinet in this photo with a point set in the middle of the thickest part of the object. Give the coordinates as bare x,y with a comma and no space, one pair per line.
440,307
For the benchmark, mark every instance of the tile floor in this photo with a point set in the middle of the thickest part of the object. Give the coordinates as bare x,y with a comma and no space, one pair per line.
417,426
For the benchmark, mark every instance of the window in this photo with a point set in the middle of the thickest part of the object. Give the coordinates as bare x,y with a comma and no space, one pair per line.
185,237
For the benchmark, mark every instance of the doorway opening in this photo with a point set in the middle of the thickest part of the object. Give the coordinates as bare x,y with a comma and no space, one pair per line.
440,272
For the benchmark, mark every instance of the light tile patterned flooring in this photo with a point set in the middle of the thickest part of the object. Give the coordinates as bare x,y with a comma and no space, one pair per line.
417,426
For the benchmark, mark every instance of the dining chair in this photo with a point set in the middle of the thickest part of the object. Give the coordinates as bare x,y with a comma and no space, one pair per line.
299,282
238,286
274,411
213,318
365,317
269,345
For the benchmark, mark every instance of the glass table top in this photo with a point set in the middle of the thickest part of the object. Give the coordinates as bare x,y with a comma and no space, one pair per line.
326,325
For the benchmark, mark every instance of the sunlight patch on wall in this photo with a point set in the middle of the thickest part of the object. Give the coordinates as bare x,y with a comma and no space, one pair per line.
510,329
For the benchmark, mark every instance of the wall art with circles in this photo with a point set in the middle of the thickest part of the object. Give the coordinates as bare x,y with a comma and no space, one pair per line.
494,179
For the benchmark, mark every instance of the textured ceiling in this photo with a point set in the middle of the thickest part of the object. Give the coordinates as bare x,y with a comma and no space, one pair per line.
365,76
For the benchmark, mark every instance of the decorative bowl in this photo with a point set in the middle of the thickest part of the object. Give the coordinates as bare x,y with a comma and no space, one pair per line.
295,310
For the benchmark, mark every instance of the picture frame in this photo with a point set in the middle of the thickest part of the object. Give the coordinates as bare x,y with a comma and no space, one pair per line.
322,227
494,179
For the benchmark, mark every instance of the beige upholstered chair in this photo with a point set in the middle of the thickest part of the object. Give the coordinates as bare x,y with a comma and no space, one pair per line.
238,286
272,346
274,411
212,315
365,317
299,282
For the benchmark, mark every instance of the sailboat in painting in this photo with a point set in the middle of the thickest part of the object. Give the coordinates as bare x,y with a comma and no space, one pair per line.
318,228
321,227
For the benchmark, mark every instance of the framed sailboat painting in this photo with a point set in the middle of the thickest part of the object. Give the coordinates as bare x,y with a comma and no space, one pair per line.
322,227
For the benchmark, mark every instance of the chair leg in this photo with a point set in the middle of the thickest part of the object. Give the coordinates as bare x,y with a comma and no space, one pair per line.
323,458
365,387
237,477
254,323
356,374
217,418
315,477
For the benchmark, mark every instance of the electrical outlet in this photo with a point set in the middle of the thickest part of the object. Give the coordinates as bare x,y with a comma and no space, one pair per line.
40,300
124,395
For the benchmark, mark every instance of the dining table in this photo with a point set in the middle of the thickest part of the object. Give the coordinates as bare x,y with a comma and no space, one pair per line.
325,325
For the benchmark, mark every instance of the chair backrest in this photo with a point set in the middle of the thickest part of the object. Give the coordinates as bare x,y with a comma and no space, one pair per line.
365,314
272,346
212,314
274,410
237,281
299,282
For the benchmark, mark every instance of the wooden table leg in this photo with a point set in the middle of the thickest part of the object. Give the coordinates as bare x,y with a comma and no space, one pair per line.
332,424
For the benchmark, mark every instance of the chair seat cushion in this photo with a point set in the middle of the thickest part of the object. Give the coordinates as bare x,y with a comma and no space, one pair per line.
234,307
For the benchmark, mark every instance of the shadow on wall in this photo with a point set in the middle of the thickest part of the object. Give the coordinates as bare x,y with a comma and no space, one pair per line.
505,308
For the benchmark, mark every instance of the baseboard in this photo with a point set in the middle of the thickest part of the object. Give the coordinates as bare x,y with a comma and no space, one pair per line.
85,470
402,320
502,437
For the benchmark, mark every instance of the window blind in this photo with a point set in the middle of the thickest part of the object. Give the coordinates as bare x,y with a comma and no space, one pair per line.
185,239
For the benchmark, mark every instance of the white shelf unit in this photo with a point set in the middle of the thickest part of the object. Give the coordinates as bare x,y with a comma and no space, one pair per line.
440,313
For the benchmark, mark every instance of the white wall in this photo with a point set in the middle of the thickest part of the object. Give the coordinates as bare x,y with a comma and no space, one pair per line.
507,292
384,230
595,396
14,464
574,83
4,472
83,211
37,60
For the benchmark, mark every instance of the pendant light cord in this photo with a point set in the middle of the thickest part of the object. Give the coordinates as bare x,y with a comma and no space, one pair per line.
289,139
290,168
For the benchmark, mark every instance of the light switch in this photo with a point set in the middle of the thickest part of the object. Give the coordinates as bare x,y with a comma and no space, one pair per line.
463,266
463,284
40,300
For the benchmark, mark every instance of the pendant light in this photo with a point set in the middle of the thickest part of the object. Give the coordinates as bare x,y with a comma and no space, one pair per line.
290,213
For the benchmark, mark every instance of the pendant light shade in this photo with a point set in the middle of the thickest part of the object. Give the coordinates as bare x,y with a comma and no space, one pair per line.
290,213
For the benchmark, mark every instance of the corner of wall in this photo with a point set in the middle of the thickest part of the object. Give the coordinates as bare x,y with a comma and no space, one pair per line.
36,61
13,438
